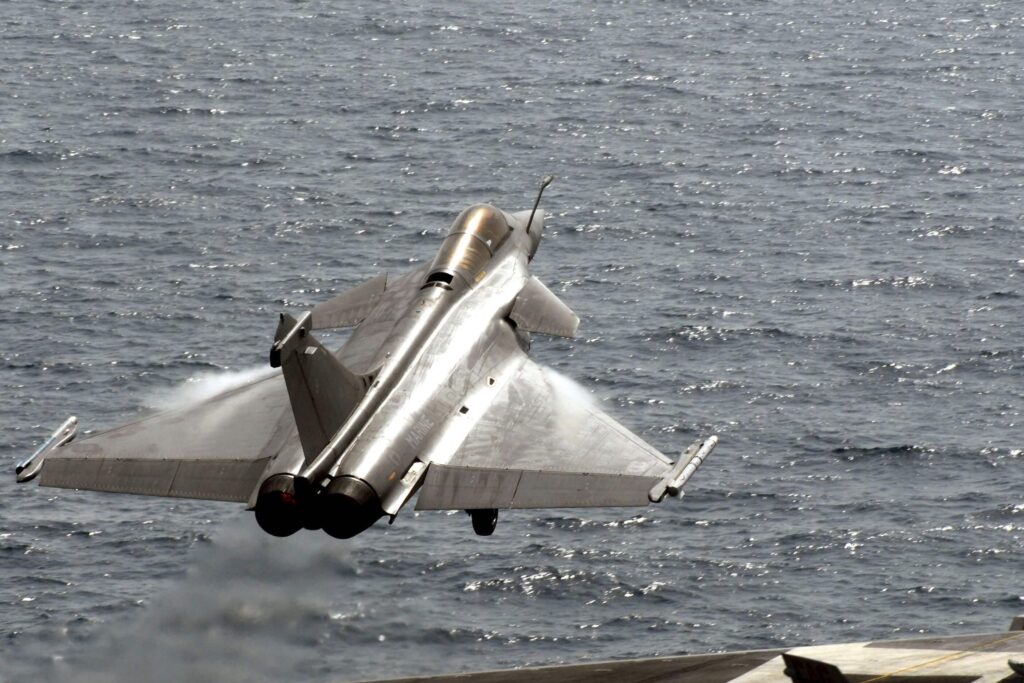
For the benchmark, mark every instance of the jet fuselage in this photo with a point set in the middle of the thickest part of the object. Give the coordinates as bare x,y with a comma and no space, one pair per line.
445,356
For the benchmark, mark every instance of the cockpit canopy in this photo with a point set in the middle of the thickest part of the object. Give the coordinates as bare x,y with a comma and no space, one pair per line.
475,235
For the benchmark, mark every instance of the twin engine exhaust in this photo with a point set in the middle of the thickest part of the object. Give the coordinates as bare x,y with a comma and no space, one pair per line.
345,507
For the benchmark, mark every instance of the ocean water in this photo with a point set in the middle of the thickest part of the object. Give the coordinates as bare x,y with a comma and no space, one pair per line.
796,225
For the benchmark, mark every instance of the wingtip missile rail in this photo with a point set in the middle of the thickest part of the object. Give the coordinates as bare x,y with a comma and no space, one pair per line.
30,467
690,461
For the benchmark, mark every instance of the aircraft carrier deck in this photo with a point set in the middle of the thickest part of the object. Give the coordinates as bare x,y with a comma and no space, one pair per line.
978,658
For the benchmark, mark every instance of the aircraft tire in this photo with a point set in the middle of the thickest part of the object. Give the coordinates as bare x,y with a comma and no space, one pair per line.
484,521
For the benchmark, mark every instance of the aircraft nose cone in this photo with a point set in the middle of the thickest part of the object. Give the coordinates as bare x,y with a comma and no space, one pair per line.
348,506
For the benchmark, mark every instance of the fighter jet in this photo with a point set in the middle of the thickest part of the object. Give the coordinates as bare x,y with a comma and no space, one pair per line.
432,393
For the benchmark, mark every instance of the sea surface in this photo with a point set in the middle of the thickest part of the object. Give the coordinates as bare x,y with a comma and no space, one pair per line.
796,225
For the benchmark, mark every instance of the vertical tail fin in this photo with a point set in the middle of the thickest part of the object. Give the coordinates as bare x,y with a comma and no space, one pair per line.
323,392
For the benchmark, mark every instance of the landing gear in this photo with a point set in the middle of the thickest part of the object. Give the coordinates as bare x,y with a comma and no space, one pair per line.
484,521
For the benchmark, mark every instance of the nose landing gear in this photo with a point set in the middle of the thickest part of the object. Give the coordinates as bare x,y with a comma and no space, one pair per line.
484,521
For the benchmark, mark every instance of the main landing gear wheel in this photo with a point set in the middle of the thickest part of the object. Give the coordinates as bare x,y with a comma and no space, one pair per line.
484,521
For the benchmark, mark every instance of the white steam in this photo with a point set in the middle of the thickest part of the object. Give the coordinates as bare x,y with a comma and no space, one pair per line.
204,386
246,611
569,389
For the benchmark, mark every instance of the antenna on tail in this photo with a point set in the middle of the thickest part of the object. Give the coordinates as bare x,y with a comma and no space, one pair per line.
543,186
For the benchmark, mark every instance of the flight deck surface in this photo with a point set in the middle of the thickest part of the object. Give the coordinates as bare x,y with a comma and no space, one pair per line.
977,658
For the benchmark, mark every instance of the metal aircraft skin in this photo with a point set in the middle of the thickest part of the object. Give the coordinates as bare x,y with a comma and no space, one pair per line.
433,393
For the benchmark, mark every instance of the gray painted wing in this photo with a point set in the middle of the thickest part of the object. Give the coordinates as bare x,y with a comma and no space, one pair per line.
215,450
219,448
543,444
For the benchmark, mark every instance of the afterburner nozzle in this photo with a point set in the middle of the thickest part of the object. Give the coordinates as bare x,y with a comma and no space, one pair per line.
348,506
278,511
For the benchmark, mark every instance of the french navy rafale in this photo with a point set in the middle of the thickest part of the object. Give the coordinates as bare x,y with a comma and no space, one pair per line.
433,393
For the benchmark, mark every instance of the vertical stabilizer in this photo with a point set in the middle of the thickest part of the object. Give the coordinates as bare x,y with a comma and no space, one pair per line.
322,391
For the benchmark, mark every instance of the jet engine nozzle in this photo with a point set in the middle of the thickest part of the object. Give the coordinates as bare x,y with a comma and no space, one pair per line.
278,511
348,506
